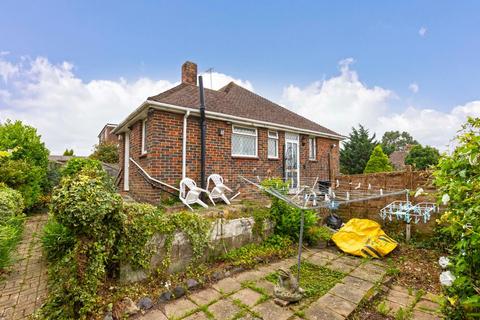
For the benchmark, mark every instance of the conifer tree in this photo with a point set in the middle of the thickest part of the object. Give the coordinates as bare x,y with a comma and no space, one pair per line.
356,151
378,162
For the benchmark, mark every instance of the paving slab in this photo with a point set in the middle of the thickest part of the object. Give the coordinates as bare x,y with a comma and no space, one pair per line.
420,315
179,308
227,285
400,297
265,285
340,266
393,307
253,275
247,296
224,309
427,306
317,311
154,315
374,268
357,282
205,296
270,311
196,316
350,293
319,260
336,304
366,275
351,260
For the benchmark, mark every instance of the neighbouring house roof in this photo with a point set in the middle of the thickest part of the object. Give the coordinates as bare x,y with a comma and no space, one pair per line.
108,125
397,158
231,101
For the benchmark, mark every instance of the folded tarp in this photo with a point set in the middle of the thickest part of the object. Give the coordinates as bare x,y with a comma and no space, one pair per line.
365,238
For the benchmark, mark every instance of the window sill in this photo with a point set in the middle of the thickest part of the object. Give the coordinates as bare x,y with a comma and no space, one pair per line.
245,157
313,160
274,159
143,155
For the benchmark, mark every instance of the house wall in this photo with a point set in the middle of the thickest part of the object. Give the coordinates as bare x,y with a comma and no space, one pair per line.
164,155
107,136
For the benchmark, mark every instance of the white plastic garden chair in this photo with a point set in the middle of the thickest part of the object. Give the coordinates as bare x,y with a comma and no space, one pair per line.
192,195
218,191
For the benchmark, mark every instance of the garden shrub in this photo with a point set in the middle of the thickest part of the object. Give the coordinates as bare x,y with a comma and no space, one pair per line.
57,240
275,247
286,218
24,168
75,165
458,176
85,203
11,222
106,152
378,161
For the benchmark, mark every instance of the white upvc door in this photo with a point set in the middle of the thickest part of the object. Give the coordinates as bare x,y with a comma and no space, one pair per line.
292,160
126,162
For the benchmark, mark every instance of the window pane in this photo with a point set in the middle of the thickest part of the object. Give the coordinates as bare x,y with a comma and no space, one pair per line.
272,148
272,134
244,145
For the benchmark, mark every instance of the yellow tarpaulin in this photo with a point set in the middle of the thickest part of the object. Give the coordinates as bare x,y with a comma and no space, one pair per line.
365,238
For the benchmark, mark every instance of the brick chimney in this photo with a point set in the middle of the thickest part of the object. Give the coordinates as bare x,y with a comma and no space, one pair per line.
189,73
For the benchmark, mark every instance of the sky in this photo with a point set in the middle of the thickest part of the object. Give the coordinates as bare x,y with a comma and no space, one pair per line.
69,67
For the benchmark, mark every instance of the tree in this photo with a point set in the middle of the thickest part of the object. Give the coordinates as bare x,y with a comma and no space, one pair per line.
69,153
378,162
25,166
396,140
422,157
356,151
106,152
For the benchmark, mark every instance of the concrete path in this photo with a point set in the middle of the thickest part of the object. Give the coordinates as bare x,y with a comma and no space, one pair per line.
249,296
25,288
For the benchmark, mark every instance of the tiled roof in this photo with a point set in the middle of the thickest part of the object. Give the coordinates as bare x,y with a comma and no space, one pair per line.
236,101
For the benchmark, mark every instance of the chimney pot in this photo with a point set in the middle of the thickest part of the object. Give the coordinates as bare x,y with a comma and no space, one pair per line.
189,73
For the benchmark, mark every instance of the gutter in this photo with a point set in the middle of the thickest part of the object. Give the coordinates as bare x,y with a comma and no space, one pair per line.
219,116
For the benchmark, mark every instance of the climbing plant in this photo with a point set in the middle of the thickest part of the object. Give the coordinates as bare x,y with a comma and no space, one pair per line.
458,180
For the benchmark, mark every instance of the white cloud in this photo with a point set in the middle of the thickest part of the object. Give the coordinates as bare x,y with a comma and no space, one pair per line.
414,87
68,111
215,80
340,102
422,31
344,101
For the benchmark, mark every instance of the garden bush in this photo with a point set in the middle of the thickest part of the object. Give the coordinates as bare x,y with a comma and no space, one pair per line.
85,203
24,166
458,180
75,165
286,218
106,152
57,240
11,223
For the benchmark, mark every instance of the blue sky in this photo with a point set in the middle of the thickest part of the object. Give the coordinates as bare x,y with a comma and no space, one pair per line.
424,53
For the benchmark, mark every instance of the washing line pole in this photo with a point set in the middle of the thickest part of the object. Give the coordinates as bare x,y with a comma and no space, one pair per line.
300,240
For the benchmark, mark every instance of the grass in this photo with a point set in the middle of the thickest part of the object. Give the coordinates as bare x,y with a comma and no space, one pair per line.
315,280
10,234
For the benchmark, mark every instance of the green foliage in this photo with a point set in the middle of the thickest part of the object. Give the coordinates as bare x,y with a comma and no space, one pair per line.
315,280
68,153
396,141
378,162
73,166
422,157
276,184
356,151
25,167
11,223
106,152
275,247
458,175
85,203
317,233
57,240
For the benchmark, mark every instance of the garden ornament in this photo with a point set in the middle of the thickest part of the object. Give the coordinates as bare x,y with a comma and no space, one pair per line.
287,288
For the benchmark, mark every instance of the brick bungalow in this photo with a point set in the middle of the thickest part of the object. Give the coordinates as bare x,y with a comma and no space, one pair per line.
246,134
106,135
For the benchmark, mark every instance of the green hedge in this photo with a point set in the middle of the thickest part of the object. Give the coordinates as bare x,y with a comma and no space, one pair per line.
11,222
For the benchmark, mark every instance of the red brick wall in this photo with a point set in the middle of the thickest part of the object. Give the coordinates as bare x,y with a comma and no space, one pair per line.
163,160
108,137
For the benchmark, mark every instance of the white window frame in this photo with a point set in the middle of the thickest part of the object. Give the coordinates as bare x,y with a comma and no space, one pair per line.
144,136
274,136
312,147
245,134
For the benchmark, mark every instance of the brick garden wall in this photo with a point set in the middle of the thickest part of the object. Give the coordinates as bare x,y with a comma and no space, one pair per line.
164,158
397,180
